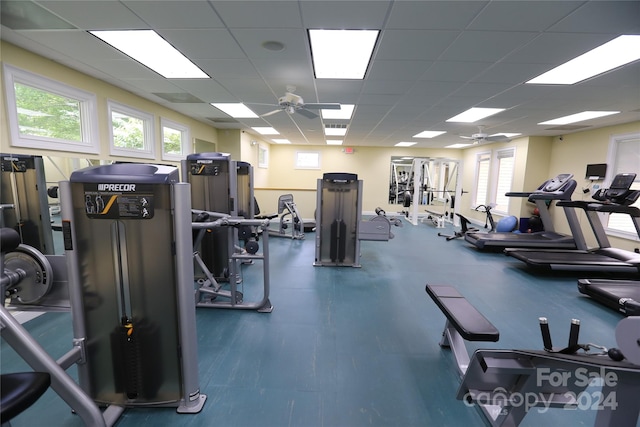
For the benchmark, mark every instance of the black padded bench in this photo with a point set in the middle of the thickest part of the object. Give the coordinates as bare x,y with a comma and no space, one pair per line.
464,323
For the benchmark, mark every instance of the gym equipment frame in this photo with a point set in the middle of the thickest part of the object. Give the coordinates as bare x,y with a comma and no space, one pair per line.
209,292
23,186
339,207
505,384
131,285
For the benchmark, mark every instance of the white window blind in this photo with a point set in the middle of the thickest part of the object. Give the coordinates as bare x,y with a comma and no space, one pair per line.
505,161
481,192
624,157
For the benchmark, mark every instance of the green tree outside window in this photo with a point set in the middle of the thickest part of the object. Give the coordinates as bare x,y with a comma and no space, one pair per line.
43,113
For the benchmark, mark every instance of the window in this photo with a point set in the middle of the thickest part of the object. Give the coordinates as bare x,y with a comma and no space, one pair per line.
47,114
504,160
481,189
307,160
175,140
624,156
263,157
131,132
493,179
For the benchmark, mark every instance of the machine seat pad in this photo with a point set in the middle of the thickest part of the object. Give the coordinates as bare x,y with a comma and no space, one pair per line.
9,239
467,320
21,390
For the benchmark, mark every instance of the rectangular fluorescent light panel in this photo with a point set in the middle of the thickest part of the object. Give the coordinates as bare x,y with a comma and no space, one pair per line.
405,144
236,110
265,130
281,141
334,142
578,117
458,145
619,51
344,113
429,134
335,131
151,50
474,114
342,54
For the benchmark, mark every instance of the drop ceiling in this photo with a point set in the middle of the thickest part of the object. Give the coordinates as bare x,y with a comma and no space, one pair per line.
433,60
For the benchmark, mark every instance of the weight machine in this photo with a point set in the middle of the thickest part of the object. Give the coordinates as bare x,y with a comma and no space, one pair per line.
289,217
23,186
223,210
425,190
209,292
505,384
130,292
339,203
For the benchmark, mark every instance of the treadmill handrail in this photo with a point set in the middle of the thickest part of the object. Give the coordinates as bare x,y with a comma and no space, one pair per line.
563,193
601,207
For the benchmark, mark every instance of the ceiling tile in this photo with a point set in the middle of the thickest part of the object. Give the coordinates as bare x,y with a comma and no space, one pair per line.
96,15
608,17
522,15
259,14
295,41
397,70
349,15
434,15
419,45
199,44
165,14
474,45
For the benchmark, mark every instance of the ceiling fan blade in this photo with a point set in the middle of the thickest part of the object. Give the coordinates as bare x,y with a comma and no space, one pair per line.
271,113
322,106
466,137
498,138
306,113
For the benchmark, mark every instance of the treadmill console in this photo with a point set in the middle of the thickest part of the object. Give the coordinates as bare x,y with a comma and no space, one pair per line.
556,183
619,191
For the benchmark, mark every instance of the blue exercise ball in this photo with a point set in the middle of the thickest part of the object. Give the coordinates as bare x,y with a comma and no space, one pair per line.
507,224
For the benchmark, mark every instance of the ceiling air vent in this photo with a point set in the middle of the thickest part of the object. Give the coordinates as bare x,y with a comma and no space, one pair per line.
222,120
179,98
569,127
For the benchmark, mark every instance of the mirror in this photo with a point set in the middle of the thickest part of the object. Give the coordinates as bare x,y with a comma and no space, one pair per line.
431,182
400,173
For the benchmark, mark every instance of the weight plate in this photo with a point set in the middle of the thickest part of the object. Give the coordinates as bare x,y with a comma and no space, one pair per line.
39,274
628,338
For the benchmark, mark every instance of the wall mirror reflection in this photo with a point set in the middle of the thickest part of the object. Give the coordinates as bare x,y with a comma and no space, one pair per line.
427,182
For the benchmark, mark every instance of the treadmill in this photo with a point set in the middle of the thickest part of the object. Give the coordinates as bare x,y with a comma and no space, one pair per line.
603,258
620,295
558,188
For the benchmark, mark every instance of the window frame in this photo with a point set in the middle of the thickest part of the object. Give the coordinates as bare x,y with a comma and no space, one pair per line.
481,157
495,178
612,171
263,156
148,151
185,139
90,143
304,166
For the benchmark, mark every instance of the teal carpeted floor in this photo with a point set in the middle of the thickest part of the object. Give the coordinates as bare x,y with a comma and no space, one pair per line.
350,347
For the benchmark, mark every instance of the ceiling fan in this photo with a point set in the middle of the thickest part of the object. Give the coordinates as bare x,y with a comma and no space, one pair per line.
481,137
292,103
